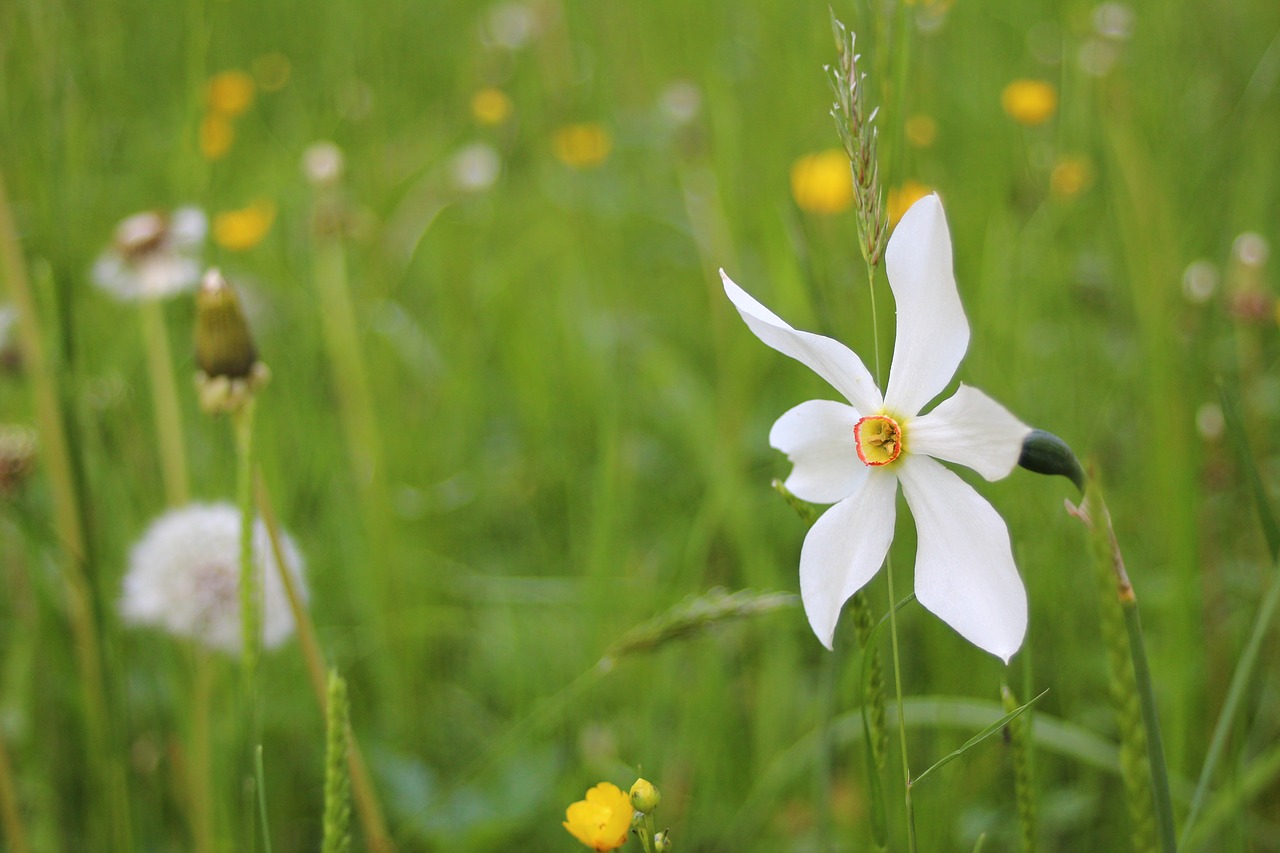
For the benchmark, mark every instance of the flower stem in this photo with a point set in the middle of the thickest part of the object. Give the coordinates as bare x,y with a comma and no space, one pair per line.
902,723
242,425
201,766
367,807
173,461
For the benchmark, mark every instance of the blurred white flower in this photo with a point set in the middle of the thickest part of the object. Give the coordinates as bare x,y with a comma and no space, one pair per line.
511,25
476,167
681,102
153,255
1113,21
322,163
1210,421
854,455
1199,281
1251,249
184,577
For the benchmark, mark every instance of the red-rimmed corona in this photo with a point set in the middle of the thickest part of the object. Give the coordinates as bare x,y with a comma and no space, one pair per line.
878,439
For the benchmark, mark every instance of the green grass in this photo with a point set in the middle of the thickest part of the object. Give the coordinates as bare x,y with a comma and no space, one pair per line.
573,420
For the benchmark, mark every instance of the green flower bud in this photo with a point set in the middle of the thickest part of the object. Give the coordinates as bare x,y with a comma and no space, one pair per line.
1045,453
644,796
662,841
230,374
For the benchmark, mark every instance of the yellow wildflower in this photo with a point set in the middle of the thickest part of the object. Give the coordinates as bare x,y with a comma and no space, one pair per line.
921,130
240,230
216,136
1029,102
822,183
582,146
1071,174
901,198
229,93
490,105
602,820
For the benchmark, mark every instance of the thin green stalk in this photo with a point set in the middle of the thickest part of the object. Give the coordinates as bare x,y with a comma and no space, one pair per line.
15,831
168,415
337,783
1151,721
103,759
902,726
200,770
368,809
250,618
1023,781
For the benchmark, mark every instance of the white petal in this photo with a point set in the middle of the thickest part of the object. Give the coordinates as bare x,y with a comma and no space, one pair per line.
817,437
970,429
844,550
828,358
933,333
964,565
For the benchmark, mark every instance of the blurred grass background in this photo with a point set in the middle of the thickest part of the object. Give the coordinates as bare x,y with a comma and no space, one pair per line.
572,422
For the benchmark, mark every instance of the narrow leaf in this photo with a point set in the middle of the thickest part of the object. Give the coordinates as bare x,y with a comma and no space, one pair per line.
980,737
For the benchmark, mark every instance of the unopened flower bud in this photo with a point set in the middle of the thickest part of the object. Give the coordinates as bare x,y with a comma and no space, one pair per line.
662,841
228,361
644,796
1045,453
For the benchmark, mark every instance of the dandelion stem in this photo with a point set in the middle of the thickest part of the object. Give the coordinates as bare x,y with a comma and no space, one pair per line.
173,461
242,425
902,724
367,807
201,765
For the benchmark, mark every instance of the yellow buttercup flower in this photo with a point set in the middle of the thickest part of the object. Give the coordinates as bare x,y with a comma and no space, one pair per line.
490,105
1029,102
822,183
240,230
230,93
216,136
901,198
582,146
602,820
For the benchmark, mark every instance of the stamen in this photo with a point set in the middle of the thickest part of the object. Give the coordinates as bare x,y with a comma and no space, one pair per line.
878,439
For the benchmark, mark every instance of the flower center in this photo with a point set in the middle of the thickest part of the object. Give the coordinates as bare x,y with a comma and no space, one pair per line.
878,439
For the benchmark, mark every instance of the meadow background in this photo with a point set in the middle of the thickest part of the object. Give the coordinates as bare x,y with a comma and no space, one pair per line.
568,421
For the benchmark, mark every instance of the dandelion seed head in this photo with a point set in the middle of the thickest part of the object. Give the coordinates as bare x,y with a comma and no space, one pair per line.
1251,249
1210,422
476,167
323,163
1199,281
184,578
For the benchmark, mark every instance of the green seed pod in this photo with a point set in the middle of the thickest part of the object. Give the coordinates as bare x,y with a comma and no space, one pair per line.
1045,453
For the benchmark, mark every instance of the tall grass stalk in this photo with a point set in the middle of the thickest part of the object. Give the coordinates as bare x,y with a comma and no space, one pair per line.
104,761
897,692
168,415
367,806
337,784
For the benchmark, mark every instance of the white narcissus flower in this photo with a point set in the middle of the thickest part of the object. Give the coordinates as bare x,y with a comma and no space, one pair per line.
184,577
854,455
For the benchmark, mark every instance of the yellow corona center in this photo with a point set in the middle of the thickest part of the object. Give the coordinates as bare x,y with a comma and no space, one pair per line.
878,439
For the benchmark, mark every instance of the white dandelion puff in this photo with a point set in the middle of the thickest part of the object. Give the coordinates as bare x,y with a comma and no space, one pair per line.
184,577
153,255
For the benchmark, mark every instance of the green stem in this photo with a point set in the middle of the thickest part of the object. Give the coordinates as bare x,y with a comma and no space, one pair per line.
103,759
261,777
250,629
902,725
1151,721
201,766
15,832
168,415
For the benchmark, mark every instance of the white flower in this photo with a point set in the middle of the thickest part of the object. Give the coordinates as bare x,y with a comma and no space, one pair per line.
153,255
854,456
476,167
184,577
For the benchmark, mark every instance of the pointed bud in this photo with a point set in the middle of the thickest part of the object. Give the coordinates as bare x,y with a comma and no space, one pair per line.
662,841
230,372
644,796
1045,453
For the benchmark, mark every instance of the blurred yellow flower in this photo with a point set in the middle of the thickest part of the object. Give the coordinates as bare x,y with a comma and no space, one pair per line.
1071,174
1029,102
602,820
582,146
901,198
216,136
230,93
922,130
490,105
822,182
240,230
272,70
